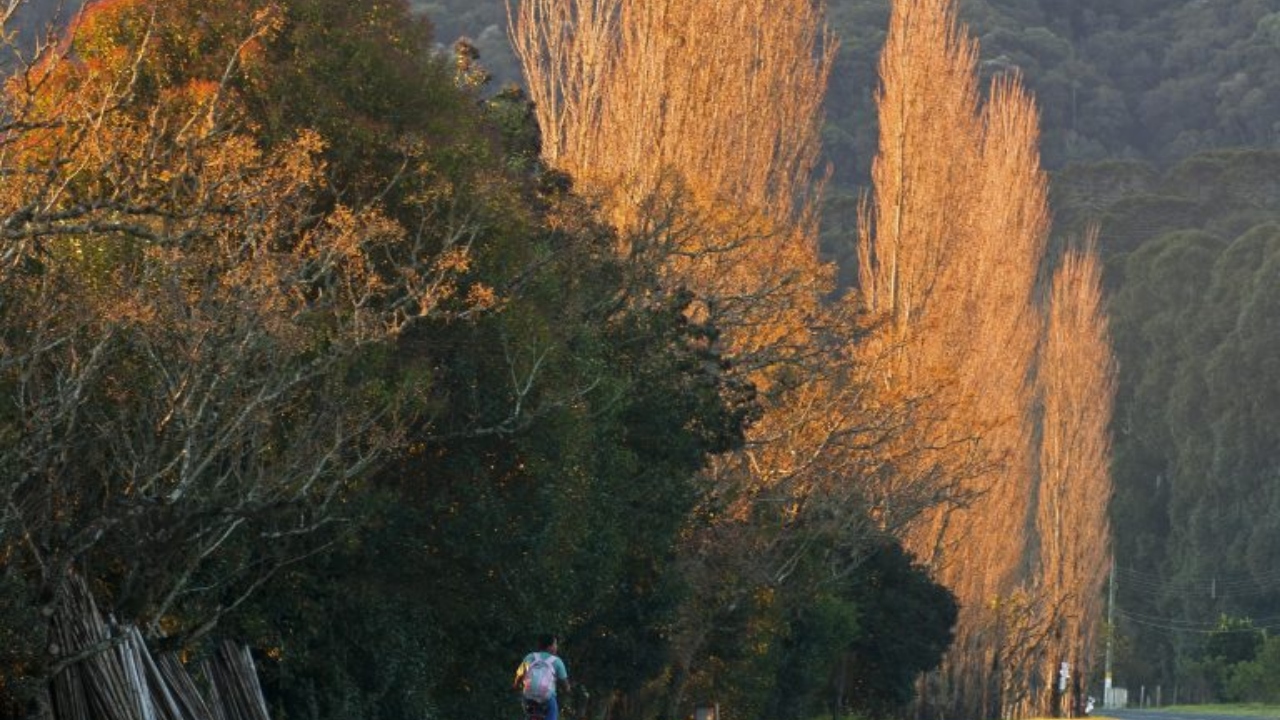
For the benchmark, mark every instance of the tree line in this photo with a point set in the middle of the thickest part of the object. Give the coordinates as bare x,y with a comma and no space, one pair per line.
1155,120
313,340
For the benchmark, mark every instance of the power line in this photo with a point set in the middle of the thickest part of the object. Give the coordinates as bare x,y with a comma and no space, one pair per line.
1265,578
1217,587
1236,585
1199,628
1207,626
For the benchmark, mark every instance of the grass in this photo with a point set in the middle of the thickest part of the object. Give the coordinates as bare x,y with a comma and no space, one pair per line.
1240,709
1244,710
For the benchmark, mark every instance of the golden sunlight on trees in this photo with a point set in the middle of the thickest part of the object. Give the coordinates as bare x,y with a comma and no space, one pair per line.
697,128
254,248
1077,379
952,242
695,124
949,257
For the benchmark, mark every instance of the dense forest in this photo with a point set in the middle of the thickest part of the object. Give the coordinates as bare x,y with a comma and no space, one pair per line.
802,360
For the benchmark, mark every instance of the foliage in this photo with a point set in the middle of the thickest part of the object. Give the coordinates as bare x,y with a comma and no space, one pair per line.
1156,80
340,125
203,305
1126,92
545,491
1225,663
1189,429
704,159
1234,641
567,525
1001,375
1253,680
908,622
179,323
856,647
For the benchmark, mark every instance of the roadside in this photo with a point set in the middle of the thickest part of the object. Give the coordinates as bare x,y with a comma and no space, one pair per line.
1193,712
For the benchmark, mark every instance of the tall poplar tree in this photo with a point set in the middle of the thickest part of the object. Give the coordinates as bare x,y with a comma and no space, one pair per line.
696,126
1077,379
952,241
952,238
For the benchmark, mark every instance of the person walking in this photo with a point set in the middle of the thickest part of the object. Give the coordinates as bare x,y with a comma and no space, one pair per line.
539,674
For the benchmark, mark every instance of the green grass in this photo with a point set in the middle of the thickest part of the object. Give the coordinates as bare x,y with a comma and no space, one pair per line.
1242,709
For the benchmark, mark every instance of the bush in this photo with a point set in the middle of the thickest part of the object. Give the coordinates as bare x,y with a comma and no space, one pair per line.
1254,680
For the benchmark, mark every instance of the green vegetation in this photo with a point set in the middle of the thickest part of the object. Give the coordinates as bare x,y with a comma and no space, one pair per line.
1242,710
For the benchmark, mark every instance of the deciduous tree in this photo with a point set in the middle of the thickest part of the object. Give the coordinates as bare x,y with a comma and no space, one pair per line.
196,329
1076,377
952,241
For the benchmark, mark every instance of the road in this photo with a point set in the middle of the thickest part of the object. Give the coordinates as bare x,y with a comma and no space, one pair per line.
1180,714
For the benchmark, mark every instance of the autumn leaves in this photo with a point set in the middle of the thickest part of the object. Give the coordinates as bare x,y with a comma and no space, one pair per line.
956,397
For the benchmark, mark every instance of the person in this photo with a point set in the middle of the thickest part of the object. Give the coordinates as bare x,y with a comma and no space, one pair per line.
548,648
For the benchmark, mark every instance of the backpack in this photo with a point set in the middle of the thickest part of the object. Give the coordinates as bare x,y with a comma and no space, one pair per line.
540,678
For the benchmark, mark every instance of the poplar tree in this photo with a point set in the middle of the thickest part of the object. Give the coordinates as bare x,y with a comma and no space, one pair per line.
1077,380
952,240
695,125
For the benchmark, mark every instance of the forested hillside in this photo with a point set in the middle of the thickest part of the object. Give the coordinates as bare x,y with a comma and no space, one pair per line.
1155,80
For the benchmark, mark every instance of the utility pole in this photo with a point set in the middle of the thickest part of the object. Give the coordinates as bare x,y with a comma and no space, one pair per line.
1107,699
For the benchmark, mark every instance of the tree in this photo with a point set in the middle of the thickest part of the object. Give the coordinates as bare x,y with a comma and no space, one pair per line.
566,519
705,163
952,242
198,334
950,294
908,634
1077,376
1220,430
1248,681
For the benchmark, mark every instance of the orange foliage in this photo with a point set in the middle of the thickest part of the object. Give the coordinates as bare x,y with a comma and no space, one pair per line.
185,292
701,151
1077,382
144,159
951,246
696,126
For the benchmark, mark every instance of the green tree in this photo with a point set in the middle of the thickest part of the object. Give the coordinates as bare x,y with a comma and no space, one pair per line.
564,521
1252,681
206,303
907,622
